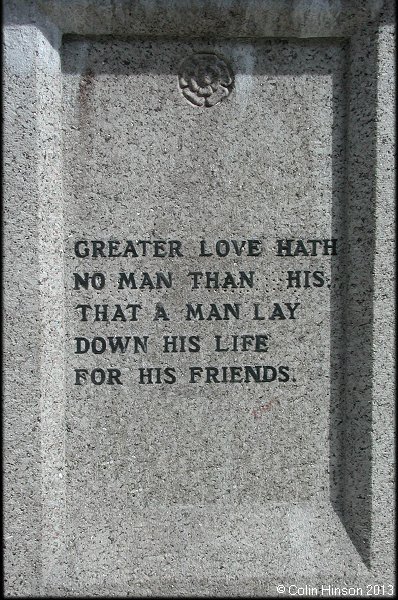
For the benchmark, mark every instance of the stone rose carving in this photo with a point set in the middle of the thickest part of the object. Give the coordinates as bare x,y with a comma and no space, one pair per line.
205,79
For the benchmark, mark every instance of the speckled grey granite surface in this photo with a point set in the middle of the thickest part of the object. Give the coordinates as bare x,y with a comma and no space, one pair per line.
187,123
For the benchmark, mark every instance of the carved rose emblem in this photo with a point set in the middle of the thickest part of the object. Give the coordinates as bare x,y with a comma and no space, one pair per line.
205,79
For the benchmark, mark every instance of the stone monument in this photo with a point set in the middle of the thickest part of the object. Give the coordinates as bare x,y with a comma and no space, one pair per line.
199,297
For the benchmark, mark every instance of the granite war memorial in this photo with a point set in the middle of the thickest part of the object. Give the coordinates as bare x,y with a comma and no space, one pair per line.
198,297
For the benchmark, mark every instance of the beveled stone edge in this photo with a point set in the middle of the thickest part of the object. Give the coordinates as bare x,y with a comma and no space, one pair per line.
203,18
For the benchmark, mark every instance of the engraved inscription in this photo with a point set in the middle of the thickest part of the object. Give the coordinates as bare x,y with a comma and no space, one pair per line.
205,79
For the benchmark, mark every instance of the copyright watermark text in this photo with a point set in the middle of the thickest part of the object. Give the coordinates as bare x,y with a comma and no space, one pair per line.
331,590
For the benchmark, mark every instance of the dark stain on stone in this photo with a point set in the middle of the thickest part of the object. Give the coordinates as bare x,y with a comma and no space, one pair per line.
85,87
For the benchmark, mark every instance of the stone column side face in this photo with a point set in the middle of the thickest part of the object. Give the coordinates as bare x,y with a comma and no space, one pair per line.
41,551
